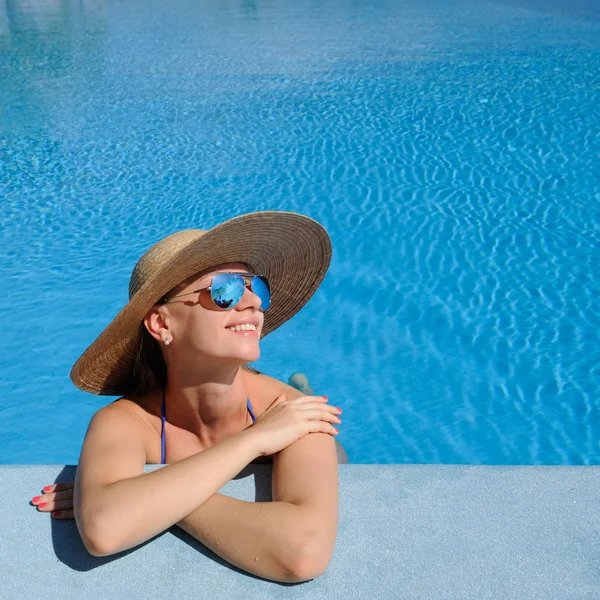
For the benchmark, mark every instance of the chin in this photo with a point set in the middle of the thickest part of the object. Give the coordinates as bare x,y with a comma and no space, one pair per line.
251,357
247,355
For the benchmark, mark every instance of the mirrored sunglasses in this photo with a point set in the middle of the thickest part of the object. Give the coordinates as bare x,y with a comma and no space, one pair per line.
227,289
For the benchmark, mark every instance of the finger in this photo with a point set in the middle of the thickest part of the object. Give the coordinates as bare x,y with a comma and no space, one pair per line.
65,494
47,498
59,487
303,399
58,496
301,409
322,427
55,505
63,514
318,414
334,410
63,505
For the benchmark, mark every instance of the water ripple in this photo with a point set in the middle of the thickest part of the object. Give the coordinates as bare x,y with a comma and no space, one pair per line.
455,166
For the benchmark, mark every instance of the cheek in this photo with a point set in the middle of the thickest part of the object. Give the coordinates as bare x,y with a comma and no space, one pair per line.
202,328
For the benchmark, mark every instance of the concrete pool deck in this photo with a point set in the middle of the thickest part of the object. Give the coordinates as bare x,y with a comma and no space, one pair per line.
406,531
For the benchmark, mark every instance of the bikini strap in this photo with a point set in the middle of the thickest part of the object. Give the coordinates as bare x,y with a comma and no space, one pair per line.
163,420
249,406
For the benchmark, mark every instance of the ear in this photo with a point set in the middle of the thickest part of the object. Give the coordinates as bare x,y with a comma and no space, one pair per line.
157,324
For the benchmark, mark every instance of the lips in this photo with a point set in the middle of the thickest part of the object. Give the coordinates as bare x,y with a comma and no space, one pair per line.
243,325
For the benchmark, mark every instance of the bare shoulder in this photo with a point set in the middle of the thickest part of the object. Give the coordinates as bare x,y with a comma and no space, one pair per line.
123,425
143,411
125,414
264,390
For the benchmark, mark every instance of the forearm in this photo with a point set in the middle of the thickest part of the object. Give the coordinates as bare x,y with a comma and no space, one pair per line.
268,539
130,511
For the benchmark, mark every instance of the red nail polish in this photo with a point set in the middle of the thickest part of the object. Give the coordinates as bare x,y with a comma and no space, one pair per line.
339,410
36,499
326,397
43,505
55,513
47,488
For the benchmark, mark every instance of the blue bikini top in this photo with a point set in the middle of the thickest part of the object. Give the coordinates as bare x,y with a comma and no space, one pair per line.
163,420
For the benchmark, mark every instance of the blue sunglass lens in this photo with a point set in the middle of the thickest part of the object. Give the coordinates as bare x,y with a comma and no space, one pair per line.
260,287
227,290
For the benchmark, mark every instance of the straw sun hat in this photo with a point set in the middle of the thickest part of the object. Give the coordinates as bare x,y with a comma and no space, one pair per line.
291,250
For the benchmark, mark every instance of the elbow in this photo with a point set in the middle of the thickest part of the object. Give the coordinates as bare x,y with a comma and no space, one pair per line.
305,570
98,539
309,561
98,547
95,549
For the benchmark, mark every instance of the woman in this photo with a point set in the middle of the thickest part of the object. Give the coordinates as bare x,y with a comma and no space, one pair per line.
199,304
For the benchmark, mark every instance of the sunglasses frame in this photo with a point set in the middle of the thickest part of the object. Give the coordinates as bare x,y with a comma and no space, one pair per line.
247,277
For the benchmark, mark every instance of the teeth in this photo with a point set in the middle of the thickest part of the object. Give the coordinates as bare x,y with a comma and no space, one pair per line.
244,327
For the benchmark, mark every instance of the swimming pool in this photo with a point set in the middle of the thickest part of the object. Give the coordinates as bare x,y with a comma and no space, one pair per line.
451,150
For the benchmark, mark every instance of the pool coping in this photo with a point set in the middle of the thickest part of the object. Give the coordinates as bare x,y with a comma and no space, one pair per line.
405,531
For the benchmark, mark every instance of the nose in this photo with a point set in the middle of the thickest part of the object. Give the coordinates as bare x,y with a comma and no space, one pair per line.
249,300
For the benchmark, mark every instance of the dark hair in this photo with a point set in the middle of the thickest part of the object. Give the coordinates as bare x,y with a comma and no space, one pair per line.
149,369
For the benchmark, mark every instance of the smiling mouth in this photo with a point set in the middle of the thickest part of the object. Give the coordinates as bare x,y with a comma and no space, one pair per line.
245,328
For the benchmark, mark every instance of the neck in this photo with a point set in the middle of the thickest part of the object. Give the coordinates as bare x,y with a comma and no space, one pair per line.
211,403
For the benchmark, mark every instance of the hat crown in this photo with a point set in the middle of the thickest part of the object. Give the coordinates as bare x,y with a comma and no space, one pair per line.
160,254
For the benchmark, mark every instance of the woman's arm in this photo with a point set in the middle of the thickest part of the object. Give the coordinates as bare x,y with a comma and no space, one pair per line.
305,474
118,506
289,539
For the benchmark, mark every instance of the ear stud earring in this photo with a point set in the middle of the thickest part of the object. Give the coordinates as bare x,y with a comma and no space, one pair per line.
167,341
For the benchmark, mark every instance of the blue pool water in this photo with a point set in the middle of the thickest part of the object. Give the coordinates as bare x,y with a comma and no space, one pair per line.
451,149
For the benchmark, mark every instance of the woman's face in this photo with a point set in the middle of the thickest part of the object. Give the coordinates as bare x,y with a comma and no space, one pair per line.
198,327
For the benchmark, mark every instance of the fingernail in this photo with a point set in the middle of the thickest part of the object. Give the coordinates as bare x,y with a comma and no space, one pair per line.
326,398
47,488
43,505
55,513
339,410
336,430
36,499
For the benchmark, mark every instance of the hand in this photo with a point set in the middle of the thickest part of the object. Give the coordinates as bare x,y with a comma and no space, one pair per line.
286,421
57,499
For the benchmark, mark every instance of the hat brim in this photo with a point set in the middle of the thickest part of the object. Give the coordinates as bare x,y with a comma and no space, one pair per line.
291,250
